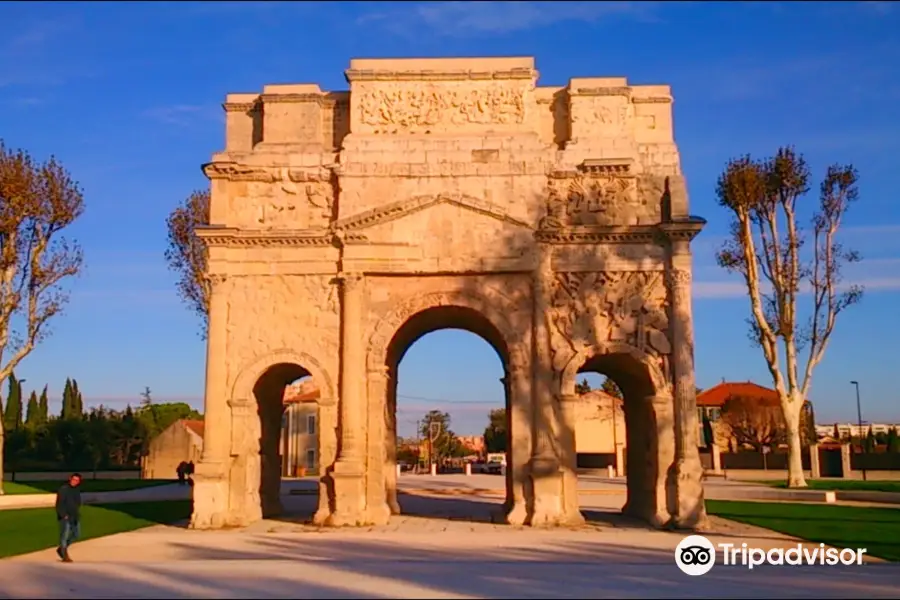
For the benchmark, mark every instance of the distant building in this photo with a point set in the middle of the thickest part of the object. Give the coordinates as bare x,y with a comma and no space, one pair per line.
182,441
474,443
300,429
846,430
596,429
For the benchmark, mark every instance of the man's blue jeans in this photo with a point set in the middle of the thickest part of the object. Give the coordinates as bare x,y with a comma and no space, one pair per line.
69,531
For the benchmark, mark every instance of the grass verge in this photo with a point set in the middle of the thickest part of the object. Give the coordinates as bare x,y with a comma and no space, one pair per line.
843,485
87,485
31,529
875,529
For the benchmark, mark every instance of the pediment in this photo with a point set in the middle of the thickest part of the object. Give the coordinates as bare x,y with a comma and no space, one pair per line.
404,208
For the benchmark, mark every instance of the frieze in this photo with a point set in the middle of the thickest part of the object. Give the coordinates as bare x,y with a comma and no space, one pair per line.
652,100
233,238
234,171
523,73
602,91
416,109
594,235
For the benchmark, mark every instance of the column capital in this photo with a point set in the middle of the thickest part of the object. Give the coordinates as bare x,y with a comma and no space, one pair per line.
568,398
240,405
679,278
381,371
351,281
216,280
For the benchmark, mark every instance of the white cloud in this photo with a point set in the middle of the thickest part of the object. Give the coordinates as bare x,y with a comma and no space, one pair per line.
182,115
474,18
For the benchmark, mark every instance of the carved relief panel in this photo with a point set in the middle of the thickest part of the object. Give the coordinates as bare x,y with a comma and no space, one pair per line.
618,307
610,196
439,109
277,197
601,113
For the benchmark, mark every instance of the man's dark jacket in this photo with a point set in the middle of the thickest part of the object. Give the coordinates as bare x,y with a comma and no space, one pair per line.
68,502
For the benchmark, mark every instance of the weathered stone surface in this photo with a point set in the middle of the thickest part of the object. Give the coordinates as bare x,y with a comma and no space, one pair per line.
442,193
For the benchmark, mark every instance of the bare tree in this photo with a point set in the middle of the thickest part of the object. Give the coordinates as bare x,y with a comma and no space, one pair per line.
753,422
186,254
37,201
766,248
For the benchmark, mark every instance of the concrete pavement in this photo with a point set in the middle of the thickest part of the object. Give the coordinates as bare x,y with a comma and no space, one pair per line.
419,558
441,547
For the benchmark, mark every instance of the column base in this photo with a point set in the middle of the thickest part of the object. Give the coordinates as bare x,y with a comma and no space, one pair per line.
549,506
349,496
658,518
394,503
690,511
517,514
210,497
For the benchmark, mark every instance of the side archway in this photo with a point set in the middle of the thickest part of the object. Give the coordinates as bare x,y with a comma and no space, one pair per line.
649,423
256,430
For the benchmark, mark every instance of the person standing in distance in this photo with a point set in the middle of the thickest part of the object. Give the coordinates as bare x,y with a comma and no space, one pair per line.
68,513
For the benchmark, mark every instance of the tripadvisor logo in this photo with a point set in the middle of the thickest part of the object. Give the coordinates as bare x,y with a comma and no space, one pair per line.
696,555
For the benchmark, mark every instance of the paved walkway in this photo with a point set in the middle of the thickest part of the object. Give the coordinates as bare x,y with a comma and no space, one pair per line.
442,547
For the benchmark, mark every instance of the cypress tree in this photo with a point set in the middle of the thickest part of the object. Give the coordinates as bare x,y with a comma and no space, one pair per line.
45,409
33,413
67,401
893,440
12,417
77,402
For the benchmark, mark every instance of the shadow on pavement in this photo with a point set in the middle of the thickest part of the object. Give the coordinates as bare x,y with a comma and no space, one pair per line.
313,566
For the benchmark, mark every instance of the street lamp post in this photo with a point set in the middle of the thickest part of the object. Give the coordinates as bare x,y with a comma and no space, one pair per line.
860,423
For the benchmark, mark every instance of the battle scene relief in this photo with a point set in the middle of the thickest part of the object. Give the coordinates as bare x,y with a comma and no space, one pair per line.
282,198
607,197
613,307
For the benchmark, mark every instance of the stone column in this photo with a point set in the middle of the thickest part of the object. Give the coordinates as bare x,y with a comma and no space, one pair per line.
349,467
691,509
506,380
211,484
520,420
545,465
569,405
381,471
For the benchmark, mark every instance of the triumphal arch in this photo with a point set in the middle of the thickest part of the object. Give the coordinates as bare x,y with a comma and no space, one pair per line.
551,221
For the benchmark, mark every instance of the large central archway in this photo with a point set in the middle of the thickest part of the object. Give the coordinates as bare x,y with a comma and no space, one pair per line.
485,317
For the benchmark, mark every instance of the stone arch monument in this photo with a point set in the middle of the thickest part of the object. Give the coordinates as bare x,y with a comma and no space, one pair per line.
551,221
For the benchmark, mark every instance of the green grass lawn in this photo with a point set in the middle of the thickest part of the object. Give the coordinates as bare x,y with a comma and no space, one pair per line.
844,485
875,529
87,485
31,529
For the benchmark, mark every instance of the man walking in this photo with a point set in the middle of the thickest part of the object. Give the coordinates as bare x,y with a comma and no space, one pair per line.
68,509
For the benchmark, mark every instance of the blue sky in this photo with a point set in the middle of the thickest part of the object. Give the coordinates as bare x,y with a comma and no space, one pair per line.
128,96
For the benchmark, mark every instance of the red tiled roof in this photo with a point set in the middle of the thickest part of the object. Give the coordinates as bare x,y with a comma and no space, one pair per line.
194,425
310,396
718,394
